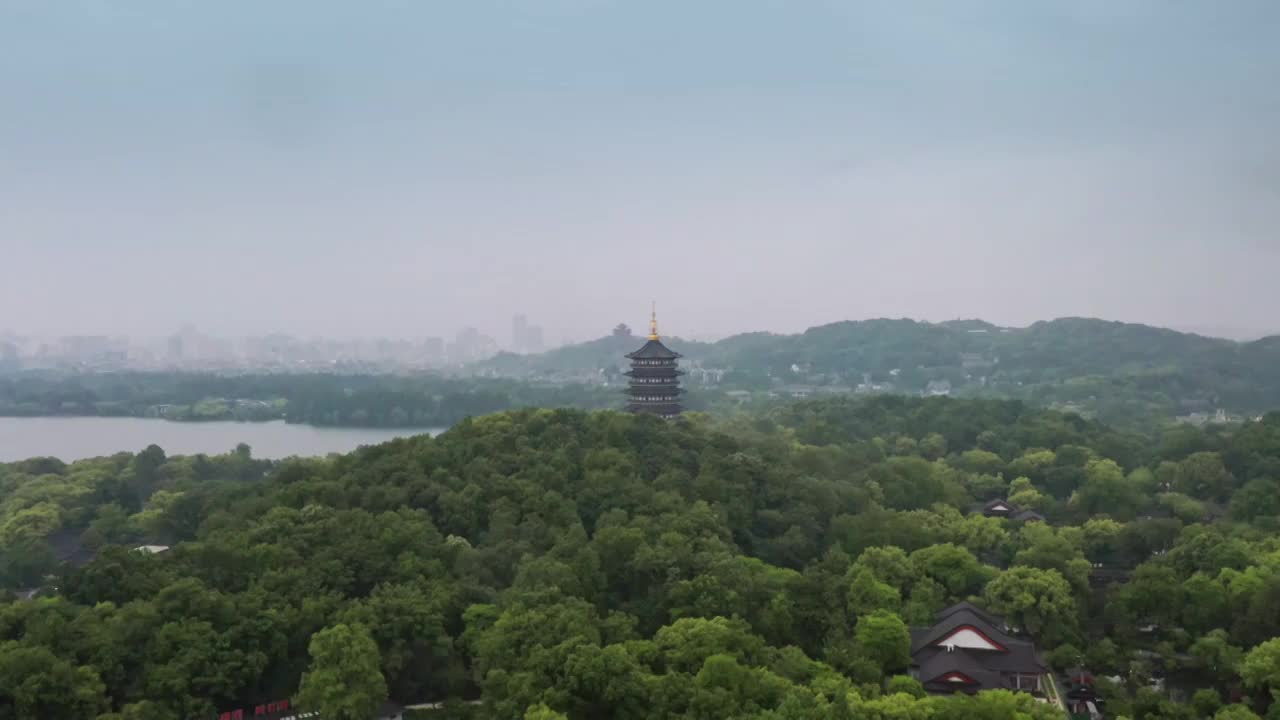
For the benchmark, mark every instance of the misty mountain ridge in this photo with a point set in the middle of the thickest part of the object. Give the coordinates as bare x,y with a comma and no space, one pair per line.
966,333
1117,371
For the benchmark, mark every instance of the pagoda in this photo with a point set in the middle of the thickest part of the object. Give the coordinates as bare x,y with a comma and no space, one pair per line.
655,378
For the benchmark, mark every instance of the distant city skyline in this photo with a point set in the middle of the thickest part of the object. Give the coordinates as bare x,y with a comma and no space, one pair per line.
549,339
556,332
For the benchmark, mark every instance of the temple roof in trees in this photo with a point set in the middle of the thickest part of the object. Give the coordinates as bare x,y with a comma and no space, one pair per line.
968,649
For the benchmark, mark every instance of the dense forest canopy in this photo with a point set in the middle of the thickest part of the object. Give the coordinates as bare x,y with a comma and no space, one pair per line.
557,563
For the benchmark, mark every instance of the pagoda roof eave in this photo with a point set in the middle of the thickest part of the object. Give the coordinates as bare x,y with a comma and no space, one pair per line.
654,350
652,372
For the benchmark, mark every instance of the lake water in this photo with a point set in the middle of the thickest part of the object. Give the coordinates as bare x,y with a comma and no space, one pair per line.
74,438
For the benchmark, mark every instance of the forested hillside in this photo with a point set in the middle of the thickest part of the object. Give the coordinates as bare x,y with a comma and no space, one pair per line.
314,398
1127,374
598,565
588,357
1130,376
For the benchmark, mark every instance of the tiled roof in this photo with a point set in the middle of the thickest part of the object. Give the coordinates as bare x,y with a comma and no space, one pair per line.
989,669
934,662
991,618
653,350
956,620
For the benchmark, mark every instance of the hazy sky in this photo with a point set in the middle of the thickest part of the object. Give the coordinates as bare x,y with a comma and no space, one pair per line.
404,168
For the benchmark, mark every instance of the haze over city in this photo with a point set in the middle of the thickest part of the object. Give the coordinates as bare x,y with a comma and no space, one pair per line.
403,169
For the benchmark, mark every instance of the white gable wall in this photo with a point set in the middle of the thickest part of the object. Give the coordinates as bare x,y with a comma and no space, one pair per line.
966,638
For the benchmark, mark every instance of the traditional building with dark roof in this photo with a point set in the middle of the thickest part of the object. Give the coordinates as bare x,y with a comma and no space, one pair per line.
1001,508
654,386
969,649
998,508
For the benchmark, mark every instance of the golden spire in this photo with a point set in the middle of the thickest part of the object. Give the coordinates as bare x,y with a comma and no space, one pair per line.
653,322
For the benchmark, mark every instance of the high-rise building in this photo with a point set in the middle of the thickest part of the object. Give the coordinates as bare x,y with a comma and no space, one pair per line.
526,338
175,348
519,334
655,377
533,339
83,348
470,345
433,348
8,356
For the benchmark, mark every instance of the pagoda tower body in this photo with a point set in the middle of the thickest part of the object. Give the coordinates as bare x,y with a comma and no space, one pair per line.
655,377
